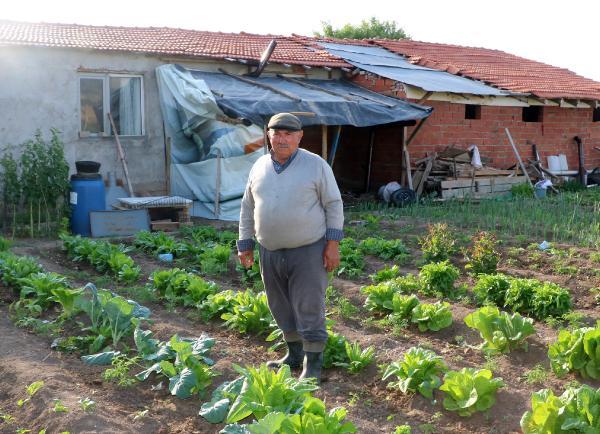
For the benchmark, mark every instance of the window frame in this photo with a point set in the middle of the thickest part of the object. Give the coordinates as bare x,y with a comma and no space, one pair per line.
107,127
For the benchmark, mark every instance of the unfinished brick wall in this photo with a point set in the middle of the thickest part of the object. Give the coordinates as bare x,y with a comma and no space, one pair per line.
554,135
448,126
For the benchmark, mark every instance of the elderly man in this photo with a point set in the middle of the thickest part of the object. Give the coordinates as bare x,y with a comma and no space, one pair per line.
293,207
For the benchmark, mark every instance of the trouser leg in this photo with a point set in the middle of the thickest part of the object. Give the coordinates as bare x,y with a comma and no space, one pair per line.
273,269
307,282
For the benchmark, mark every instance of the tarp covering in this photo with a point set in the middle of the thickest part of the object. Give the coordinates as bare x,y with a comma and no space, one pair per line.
334,102
393,66
197,109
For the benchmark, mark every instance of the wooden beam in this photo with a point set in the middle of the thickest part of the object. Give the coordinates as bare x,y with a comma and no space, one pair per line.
406,158
416,130
510,139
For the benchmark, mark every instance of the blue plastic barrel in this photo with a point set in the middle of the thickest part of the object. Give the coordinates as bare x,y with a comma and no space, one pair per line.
86,195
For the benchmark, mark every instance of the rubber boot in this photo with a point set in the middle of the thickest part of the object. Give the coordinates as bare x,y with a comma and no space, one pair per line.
293,358
313,363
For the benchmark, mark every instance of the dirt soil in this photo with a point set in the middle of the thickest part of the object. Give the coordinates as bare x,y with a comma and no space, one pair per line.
26,357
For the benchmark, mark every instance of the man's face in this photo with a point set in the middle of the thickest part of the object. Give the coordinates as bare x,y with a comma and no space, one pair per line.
284,143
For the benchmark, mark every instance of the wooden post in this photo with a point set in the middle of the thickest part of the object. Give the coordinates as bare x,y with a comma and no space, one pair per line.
324,142
371,141
217,209
121,154
521,165
168,164
406,158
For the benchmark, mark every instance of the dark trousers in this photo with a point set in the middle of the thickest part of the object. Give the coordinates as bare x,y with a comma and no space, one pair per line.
295,282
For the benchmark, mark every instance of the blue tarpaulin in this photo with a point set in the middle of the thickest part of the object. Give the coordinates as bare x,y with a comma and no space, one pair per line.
334,102
393,66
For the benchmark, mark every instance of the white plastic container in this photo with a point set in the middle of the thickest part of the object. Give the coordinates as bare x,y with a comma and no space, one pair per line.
562,159
553,163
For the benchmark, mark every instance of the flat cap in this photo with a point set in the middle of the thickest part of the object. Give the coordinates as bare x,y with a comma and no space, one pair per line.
285,121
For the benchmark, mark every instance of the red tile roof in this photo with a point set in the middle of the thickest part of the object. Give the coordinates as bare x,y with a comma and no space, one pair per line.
166,41
494,67
498,69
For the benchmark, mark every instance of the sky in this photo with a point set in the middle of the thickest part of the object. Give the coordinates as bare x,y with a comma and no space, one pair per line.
560,33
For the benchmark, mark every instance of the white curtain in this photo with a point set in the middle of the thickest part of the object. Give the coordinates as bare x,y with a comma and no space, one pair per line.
129,107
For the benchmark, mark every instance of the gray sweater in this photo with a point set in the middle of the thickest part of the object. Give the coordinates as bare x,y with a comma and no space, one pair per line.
293,208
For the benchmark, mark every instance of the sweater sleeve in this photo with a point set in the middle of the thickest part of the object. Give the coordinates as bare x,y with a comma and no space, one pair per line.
246,227
331,200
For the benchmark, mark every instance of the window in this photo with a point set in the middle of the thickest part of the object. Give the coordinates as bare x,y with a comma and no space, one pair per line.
472,111
533,114
596,115
119,95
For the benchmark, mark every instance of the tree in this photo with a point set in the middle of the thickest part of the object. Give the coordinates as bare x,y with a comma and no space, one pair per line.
372,28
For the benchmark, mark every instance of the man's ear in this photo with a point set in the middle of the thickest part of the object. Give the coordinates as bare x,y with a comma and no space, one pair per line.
300,134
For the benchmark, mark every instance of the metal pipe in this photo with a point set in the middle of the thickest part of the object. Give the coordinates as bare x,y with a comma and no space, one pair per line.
371,142
334,146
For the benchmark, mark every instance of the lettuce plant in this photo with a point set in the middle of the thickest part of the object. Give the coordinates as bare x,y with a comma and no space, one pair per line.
500,331
433,317
358,359
249,313
470,390
403,305
385,274
577,350
576,410
438,278
13,268
379,296
491,288
352,261
265,390
419,371
384,249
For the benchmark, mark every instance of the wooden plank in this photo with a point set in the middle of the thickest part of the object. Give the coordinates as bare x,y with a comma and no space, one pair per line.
424,177
510,139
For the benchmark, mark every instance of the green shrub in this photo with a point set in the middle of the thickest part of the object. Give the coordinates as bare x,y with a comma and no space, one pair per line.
438,244
521,190
482,257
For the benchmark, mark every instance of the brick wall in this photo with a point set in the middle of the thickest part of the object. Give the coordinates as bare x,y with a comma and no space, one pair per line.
448,126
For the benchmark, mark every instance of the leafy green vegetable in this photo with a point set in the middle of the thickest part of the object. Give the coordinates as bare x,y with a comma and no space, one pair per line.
157,243
385,274
384,249
500,331
491,288
249,313
419,371
438,278
470,390
214,260
358,359
352,261
314,419
403,306
217,408
577,350
13,268
379,296
179,286
335,349
265,391
432,316
31,390
218,303
576,410
66,297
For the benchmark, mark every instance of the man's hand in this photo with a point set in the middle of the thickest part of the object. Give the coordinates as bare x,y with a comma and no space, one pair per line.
331,255
246,258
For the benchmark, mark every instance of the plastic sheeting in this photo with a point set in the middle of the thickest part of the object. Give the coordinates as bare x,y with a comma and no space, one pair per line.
194,103
390,65
190,115
334,102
